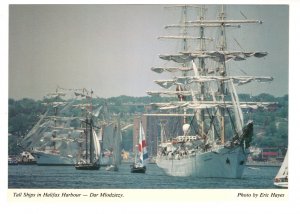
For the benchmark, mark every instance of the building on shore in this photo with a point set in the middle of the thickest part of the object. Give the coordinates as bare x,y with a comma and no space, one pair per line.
152,127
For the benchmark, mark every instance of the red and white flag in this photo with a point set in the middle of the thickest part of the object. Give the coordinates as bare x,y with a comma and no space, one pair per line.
142,144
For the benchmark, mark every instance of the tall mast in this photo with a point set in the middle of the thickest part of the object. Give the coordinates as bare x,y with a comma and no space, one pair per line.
223,47
202,70
91,142
86,139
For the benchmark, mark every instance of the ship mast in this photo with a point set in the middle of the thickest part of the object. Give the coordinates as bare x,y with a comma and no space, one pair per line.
223,47
202,47
206,89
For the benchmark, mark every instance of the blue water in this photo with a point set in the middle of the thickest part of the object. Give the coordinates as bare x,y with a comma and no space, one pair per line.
67,177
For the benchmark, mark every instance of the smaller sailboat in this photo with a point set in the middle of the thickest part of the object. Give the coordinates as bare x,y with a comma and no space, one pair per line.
113,166
281,179
116,155
139,163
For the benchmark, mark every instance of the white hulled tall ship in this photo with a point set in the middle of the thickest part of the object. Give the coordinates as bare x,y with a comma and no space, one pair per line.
53,140
59,136
214,140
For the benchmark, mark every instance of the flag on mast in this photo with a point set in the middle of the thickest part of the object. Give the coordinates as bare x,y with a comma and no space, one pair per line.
142,144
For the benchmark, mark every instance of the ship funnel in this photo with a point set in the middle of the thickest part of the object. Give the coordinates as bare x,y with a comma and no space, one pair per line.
185,128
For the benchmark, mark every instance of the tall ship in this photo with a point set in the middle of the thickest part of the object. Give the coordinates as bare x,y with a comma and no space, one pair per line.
211,139
57,139
54,140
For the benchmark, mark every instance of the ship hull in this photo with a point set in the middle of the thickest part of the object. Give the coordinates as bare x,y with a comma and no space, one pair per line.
48,159
281,184
87,166
221,163
135,169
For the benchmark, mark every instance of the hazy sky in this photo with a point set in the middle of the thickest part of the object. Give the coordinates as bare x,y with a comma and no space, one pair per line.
111,48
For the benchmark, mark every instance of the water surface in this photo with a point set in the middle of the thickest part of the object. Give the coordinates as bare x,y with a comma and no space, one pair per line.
67,177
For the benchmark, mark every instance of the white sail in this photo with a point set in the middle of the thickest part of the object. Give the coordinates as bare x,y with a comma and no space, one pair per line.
281,179
237,109
35,133
117,143
283,171
96,145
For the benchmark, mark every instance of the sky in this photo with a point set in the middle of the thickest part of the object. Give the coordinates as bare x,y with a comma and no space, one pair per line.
111,48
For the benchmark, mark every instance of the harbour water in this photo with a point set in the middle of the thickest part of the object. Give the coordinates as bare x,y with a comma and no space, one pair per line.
67,177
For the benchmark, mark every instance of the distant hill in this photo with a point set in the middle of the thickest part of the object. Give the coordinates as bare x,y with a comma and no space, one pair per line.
271,127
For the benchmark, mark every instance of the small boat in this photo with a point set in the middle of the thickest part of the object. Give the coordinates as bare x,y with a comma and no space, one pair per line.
26,158
281,179
139,164
12,161
138,168
87,166
116,155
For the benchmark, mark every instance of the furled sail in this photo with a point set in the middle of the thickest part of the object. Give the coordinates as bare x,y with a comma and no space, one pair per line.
218,56
210,104
181,93
184,69
174,69
240,80
196,25
225,21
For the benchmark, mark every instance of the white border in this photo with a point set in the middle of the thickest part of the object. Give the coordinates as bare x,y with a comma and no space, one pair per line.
212,207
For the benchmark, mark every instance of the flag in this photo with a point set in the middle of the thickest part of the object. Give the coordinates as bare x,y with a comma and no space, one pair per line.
142,145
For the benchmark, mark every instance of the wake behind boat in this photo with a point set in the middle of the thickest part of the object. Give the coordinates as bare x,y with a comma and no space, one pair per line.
214,140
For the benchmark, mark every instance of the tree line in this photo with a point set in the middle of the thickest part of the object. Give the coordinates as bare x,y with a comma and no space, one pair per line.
271,126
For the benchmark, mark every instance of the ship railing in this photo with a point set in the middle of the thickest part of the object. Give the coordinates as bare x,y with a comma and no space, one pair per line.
186,138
